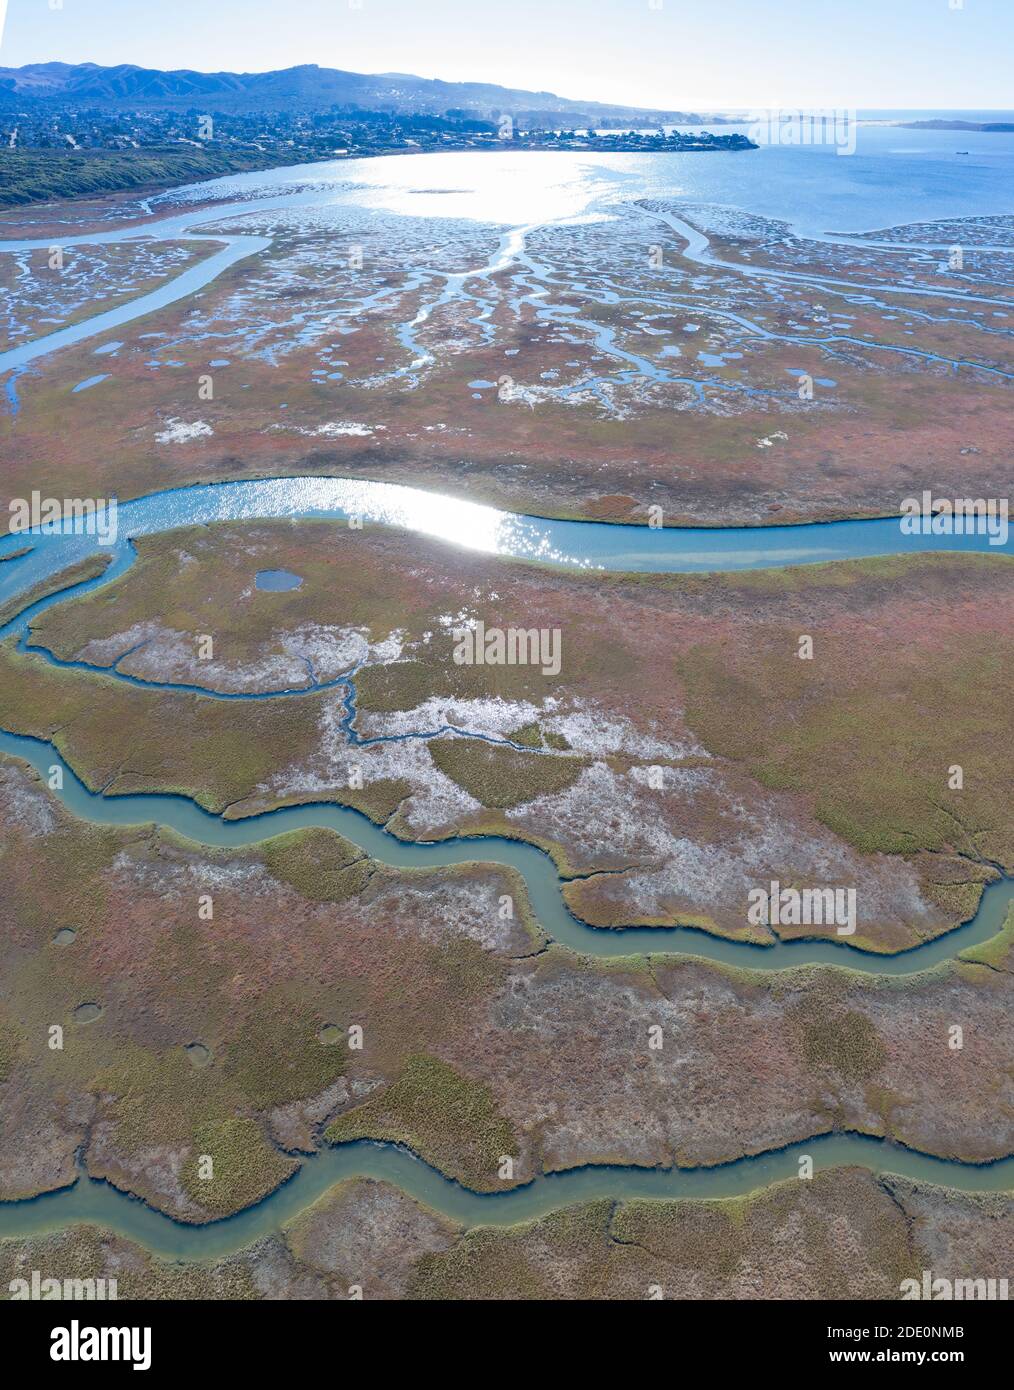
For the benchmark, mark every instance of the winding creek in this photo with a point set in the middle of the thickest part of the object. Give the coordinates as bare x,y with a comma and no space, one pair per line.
182,815
100,1204
332,184
586,545
582,544
576,544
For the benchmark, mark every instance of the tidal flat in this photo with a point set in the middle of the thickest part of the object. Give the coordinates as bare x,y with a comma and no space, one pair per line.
293,1005
649,355
334,999
682,754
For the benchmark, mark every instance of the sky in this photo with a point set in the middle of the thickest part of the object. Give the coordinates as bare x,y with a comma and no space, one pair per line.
684,54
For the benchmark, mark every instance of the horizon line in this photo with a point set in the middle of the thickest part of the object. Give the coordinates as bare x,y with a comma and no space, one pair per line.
716,109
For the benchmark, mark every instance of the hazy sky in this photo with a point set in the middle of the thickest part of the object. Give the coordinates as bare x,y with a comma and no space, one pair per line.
676,53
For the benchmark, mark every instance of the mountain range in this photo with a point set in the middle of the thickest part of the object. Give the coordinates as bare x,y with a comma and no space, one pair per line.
307,87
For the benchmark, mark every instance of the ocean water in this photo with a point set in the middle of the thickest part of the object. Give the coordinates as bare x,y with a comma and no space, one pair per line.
894,176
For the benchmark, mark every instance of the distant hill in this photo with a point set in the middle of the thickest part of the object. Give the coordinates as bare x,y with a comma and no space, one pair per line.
991,127
307,87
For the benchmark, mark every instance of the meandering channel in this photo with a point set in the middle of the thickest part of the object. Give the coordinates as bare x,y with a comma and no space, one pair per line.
574,544
187,226
97,1203
568,543
583,544
544,886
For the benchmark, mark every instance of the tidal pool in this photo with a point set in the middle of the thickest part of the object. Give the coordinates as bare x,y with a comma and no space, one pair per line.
278,581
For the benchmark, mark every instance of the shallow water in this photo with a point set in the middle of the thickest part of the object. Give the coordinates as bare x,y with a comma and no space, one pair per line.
582,544
896,177
543,884
98,1203
486,529
893,178
176,288
89,382
102,1205
277,581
